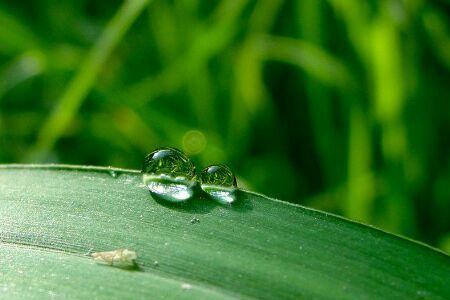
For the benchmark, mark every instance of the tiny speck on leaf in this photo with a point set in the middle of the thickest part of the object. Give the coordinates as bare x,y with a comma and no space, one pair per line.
122,258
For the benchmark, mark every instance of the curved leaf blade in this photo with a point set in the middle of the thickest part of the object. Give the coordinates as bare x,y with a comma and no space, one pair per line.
262,248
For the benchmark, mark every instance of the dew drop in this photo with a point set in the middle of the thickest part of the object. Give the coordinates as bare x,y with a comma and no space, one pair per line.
219,183
195,220
169,175
112,172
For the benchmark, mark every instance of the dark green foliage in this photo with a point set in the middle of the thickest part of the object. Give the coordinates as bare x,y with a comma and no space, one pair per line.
340,105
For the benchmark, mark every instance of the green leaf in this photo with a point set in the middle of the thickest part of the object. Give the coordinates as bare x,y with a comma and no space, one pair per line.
15,36
82,82
52,217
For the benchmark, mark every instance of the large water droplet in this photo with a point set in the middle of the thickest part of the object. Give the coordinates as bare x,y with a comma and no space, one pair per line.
169,175
219,183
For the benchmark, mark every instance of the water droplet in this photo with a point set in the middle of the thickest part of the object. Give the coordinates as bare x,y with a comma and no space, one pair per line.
156,263
195,220
186,286
219,183
169,175
112,172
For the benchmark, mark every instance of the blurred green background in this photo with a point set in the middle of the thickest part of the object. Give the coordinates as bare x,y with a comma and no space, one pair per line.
341,105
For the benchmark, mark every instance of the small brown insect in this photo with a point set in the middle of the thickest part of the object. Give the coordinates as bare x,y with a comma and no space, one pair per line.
118,258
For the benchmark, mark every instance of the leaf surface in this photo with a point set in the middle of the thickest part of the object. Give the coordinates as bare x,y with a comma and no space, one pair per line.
53,217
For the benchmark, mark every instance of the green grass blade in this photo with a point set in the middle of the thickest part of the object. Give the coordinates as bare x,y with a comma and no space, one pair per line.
20,69
15,37
83,81
319,97
216,36
315,61
262,248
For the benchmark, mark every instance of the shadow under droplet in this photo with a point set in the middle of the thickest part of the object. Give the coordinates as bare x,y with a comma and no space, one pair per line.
243,203
198,205
203,203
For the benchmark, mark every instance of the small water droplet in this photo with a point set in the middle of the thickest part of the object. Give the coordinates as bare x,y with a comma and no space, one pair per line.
169,175
156,263
186,286
195,220
219,183
112,172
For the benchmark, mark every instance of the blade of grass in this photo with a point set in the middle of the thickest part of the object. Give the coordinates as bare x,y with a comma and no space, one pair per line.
133,128
164,30
360,189
389,100
15,37
439,34
209,42
260,248
249,94
216,35
314,60
83,81
326,136
356,16
21,68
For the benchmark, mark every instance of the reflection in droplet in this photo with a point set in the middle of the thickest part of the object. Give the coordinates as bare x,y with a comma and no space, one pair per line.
195,220
169,175
171,189
219,183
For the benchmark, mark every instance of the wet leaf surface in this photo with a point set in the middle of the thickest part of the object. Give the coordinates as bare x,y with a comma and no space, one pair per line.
53,217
